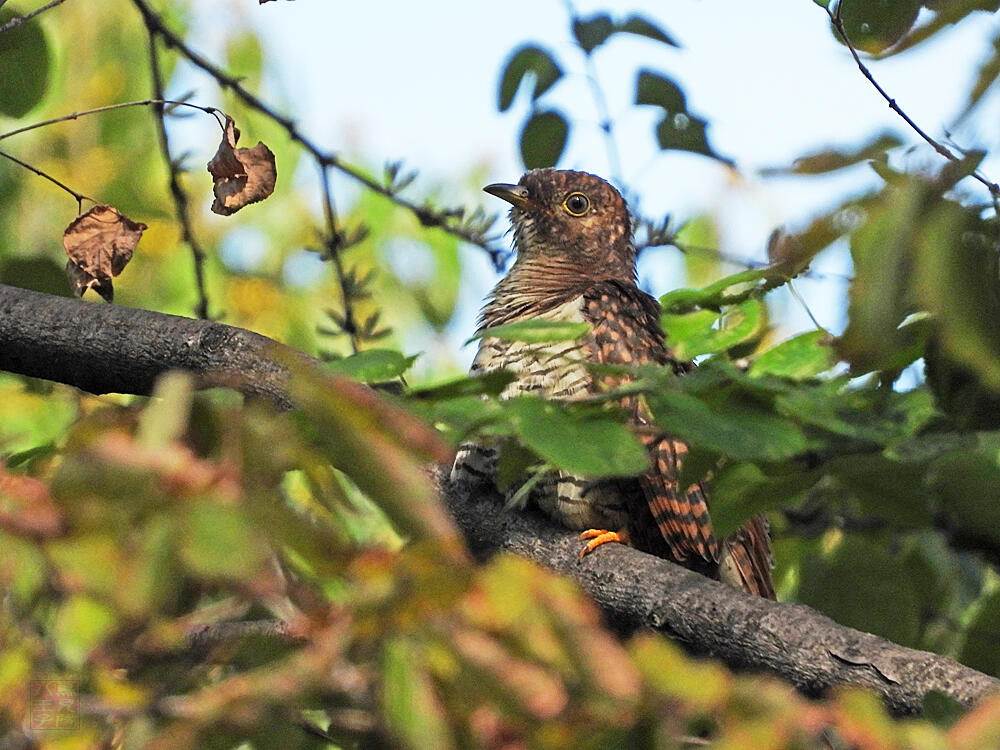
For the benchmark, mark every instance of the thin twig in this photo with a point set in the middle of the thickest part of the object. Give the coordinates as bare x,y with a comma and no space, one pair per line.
179,196
334,245
80,197
108,108
838,24
798,297
427,216
17,21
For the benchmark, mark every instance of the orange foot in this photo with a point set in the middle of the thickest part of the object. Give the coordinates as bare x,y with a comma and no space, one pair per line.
598,537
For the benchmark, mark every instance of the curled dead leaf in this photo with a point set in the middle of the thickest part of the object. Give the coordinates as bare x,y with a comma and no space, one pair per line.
241,175
99,244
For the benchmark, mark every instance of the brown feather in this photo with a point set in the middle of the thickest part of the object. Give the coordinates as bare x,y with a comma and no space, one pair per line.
746,559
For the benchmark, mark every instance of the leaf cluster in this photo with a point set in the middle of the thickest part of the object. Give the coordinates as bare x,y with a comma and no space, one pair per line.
146,562
546,130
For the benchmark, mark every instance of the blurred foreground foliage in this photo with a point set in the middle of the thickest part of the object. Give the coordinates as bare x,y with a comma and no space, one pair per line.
137,537
155,527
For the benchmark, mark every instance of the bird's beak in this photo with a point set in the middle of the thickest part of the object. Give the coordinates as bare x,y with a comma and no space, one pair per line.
516,195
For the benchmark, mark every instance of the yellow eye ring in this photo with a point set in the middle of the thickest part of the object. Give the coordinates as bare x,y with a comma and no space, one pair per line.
576,204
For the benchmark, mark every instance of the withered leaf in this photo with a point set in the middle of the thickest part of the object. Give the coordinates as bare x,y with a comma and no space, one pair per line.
99,244
242,175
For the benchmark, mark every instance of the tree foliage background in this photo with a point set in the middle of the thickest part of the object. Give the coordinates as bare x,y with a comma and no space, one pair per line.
149,548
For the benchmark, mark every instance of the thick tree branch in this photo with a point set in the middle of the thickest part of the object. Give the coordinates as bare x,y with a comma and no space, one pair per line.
106,348
792,641
103,348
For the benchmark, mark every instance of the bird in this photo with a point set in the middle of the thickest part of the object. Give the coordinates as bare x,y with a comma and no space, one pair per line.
575,260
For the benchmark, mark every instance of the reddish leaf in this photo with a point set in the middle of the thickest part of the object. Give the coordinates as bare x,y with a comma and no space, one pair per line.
242,175
99,244
26,506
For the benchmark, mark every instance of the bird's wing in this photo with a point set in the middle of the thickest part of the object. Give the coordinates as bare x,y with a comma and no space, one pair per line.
626,331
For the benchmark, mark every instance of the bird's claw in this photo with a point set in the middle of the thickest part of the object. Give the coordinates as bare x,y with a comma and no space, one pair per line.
597,537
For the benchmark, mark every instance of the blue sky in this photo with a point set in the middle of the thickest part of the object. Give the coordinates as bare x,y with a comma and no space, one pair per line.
418,81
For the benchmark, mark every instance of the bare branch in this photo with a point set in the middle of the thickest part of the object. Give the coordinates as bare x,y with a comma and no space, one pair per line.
838,23
426,215
18,20
176,191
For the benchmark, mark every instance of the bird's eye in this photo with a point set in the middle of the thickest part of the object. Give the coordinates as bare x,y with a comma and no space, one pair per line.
576,204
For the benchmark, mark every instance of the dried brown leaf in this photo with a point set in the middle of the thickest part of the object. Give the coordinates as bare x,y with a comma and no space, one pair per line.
241,175
99,244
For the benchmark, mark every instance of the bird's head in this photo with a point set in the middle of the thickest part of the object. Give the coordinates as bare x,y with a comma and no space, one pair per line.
563,218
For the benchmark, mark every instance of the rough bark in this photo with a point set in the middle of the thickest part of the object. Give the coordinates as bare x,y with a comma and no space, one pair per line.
106,348
101,348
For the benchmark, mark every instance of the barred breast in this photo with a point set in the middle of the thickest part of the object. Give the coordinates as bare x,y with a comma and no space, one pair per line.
553,370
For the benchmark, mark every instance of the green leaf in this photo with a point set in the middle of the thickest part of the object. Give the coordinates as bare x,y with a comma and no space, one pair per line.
726,291
981,649
678,129
685,132
581,443
830,160
737,428
218,541
957,278
413,711
880,296
535,331
80,626
245,57
652,88
543,139
862,586
863,415
25,567
885,488
527,59
165,418
946,13
24,66
708,332
739,491
965,482
872,27
490,384
636,24
941,709
592,32
800,358
372,365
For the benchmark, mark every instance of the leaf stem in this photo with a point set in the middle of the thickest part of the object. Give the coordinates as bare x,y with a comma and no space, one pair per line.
108,108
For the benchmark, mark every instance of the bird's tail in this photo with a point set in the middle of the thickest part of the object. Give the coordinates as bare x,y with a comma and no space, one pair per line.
746,559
